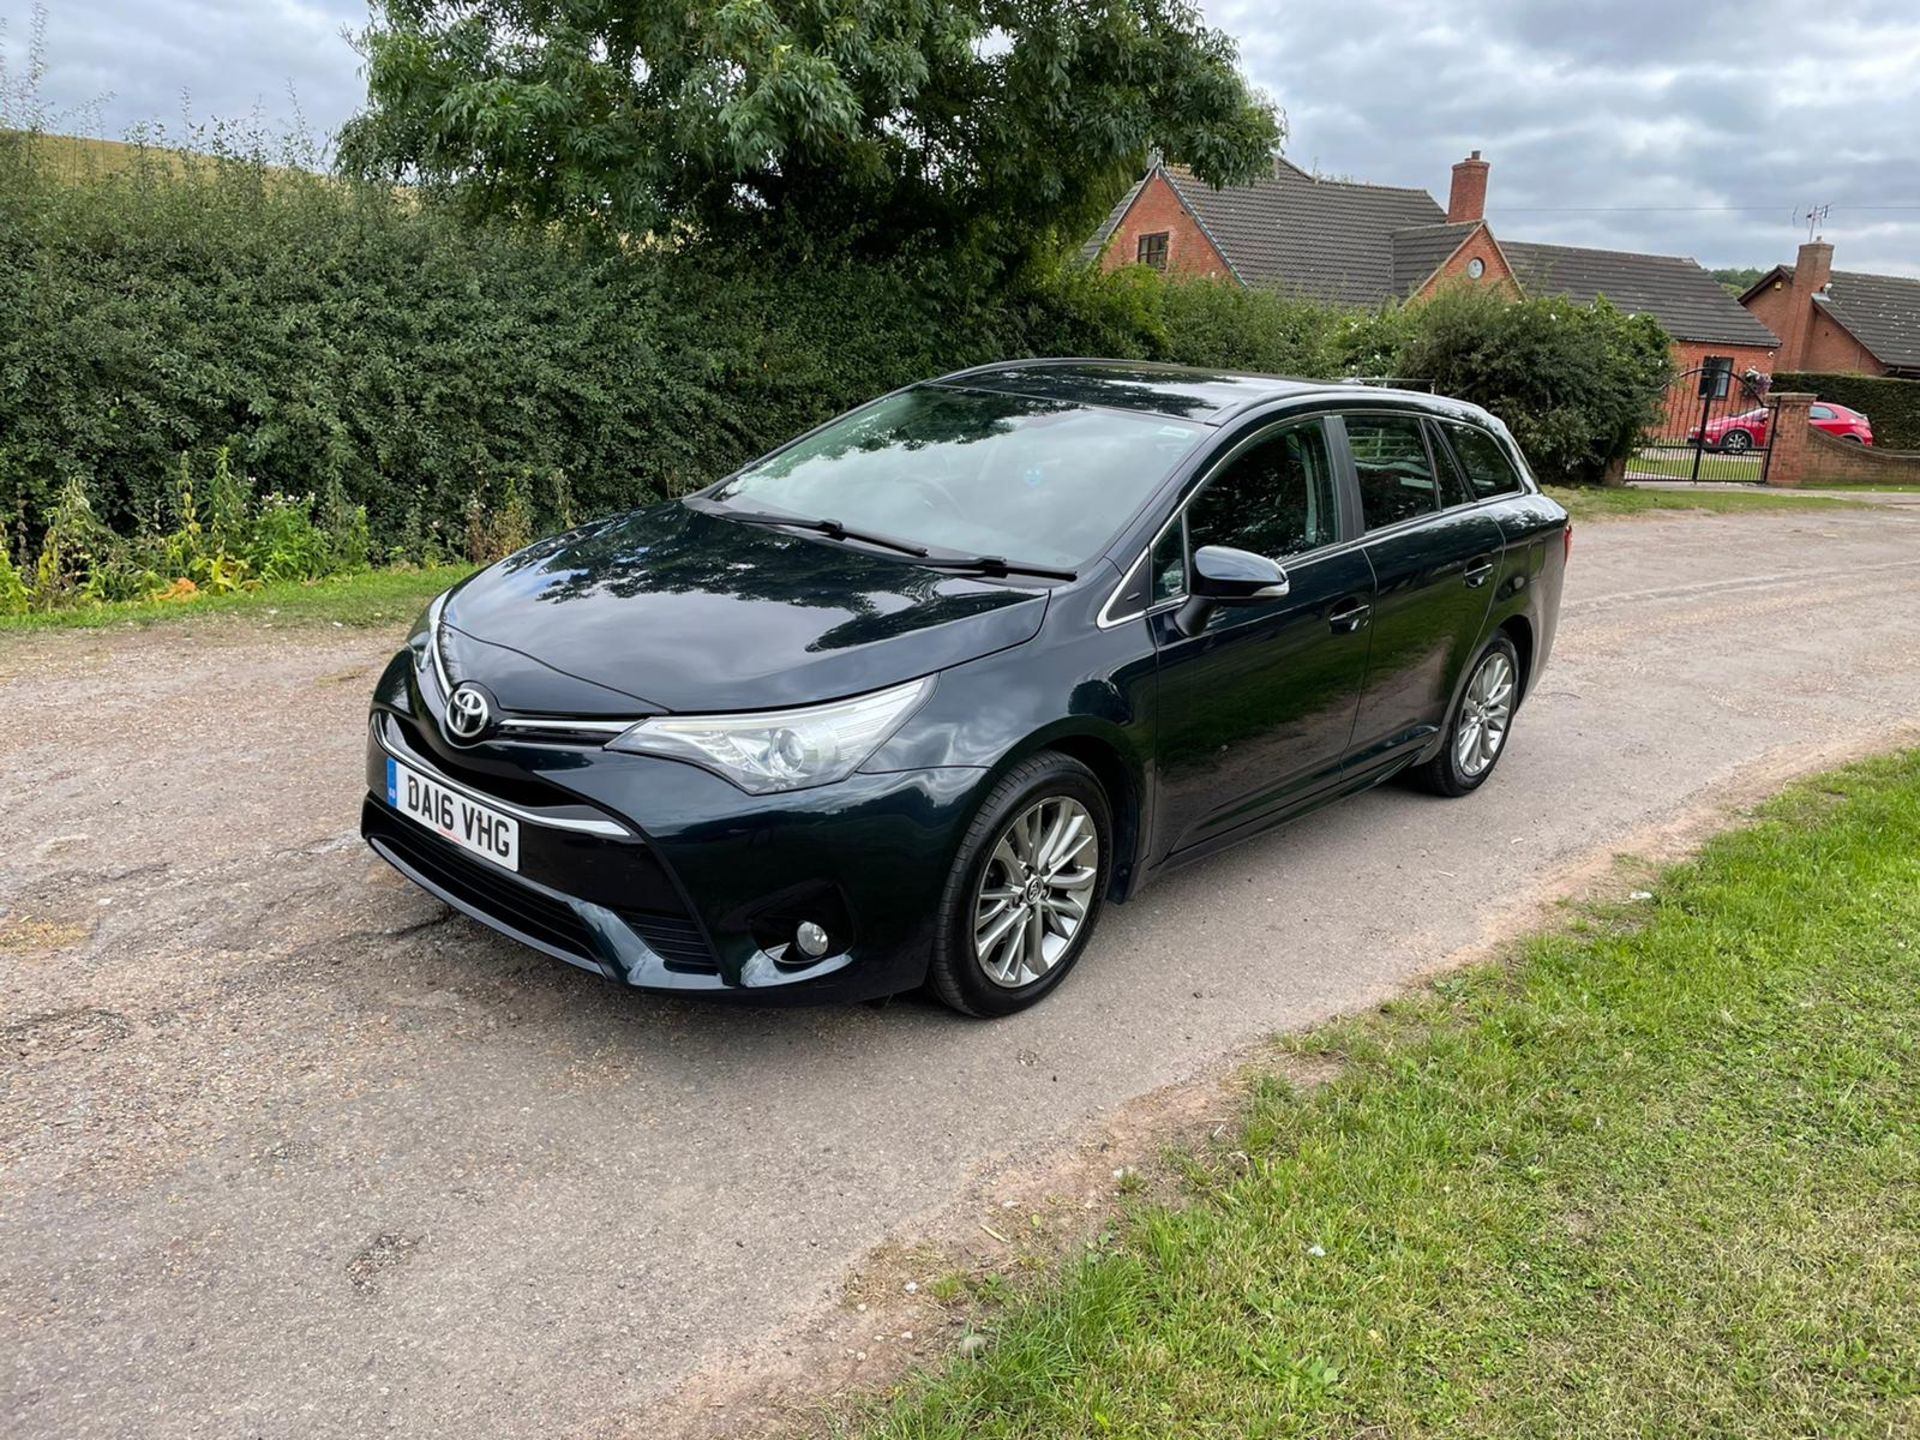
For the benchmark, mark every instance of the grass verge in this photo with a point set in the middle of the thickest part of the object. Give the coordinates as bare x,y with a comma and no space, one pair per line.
1656,1176
1607,502
378,597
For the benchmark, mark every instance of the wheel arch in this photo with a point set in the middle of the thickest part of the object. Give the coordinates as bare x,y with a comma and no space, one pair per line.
1519,629
1121,777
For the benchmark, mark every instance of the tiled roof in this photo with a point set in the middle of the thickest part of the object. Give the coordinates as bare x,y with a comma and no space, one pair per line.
1686,300
1349,244
1881,311
1091,250
1422,249
1329,240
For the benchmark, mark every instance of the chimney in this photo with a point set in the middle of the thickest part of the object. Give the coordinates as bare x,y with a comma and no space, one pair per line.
1812,271
1468,198
1814,268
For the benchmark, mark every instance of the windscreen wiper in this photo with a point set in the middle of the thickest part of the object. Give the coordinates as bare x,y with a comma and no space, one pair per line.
832,529
997,565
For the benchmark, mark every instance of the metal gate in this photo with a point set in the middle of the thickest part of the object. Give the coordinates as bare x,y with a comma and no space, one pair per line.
1713,425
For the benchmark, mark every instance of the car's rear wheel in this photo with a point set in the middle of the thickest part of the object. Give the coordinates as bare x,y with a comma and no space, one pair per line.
1477,735
1853,439
1026,888
1736,442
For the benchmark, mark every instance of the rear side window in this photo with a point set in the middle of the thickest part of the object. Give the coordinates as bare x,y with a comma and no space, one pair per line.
1821,412
1454,489
1489,471
1396,477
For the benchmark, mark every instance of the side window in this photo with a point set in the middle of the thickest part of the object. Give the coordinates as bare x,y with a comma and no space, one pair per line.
1275,499
1396,477
1821,412
1489,471
1152,250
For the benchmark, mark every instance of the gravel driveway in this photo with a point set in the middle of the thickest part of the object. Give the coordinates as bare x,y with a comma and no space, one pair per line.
286,1150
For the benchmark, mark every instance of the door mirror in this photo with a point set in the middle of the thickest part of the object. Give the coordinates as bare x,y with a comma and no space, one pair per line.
1221,572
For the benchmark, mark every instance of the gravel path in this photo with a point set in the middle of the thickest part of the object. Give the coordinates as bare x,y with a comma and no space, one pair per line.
286,1150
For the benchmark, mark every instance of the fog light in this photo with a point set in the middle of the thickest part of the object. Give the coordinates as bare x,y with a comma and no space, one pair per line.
811,939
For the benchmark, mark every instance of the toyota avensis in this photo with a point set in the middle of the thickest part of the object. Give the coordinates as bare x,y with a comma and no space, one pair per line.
908,700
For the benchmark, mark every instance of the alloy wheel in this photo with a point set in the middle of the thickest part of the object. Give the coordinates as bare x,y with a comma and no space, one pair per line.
1035,891
1484,715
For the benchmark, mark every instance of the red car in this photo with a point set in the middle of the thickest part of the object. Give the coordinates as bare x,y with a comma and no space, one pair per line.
1736,434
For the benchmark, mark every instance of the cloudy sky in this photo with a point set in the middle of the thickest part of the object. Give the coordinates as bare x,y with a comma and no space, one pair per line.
1688,127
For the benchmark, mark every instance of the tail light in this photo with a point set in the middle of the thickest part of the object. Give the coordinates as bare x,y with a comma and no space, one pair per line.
1566,543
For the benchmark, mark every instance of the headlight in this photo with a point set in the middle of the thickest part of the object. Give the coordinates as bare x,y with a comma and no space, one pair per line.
780,749
425,641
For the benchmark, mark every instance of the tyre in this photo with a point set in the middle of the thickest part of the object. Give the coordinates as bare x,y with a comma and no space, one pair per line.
1477,734
1736,442
1853,439
1026,889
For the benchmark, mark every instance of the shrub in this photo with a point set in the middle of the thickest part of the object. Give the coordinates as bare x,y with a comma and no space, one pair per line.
13,590
1577,384
327,338
1892,405
1208,323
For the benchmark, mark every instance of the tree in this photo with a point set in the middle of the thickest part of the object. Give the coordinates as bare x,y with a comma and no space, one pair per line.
1736,280
1003,124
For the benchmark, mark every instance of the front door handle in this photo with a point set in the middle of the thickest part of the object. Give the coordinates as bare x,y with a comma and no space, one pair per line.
1479,572
1349,617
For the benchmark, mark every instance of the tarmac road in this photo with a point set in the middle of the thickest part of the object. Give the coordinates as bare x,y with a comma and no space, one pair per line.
287,1151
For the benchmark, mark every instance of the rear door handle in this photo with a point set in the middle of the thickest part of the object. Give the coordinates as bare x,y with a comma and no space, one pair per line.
1350,617
1479,572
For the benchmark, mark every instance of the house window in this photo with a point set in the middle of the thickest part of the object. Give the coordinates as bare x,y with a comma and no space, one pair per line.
1476,267
1153,250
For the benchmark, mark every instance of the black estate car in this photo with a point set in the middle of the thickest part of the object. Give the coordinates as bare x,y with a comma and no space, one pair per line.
908,700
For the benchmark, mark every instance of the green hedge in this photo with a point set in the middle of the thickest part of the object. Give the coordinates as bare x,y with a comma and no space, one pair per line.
342,347
346,342
1892,405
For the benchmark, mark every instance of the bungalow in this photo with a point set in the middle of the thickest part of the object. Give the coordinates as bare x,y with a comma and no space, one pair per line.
1346,243
1839,320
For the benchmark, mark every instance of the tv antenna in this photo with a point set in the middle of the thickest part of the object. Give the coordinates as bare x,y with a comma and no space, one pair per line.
1814,216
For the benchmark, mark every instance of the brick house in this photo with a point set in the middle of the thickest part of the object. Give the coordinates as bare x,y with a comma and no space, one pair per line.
1345,243
1838,320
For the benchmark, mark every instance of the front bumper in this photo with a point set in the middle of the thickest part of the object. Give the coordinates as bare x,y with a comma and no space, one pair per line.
662,876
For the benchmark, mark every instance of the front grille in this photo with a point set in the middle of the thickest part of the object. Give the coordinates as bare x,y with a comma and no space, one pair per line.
676,939
497,778
485,887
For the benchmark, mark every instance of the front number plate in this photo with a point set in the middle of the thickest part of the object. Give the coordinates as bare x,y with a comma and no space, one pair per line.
487,833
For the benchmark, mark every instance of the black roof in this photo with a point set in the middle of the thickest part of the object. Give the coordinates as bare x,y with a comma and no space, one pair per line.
1882,312
1177,391
1687,301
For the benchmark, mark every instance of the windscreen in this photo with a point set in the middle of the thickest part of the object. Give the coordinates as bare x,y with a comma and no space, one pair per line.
1030,479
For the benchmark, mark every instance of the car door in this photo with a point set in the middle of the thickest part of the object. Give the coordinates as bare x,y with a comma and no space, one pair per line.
1257,698
1435,559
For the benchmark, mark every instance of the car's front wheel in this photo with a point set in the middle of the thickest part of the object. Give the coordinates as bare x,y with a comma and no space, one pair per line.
1477,736
1736,442
1026,888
